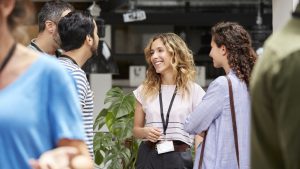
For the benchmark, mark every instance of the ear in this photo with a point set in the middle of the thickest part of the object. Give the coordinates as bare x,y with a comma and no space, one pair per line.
223,50
50,26
6,7
89,40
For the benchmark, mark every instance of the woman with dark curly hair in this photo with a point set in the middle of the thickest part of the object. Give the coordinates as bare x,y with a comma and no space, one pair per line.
223,116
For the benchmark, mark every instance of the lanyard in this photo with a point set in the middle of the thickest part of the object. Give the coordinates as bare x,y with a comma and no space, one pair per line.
8,56
57,53
36,47
165,123
66,56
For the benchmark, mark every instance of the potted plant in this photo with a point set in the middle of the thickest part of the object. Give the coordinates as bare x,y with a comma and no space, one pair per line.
118,147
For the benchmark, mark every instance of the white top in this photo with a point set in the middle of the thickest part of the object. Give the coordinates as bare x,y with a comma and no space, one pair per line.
179,111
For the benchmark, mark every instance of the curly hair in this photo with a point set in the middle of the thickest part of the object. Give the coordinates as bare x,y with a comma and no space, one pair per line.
241,55
182,63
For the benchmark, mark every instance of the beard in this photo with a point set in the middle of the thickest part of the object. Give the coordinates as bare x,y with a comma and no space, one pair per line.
94,49
57,40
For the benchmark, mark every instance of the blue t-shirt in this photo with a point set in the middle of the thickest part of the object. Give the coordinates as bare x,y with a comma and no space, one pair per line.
37,110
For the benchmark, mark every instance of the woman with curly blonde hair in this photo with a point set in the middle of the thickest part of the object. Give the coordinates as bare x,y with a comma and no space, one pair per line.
226,124
165,98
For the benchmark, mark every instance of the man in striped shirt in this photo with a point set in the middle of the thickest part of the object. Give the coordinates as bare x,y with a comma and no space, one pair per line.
79,40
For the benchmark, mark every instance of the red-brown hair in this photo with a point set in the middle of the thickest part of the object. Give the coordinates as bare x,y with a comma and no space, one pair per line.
241,55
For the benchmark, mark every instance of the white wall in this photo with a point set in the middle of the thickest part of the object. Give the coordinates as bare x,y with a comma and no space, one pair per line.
100,84
282,10
295,2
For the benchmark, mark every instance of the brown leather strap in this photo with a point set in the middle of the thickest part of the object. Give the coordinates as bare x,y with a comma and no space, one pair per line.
233,126
202,151
233,117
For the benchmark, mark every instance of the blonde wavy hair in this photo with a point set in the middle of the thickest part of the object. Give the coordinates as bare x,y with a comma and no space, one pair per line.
182,62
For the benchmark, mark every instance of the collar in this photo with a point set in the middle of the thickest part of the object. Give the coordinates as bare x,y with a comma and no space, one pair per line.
69,58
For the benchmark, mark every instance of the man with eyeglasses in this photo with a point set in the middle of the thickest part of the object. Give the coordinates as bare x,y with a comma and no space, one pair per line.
48,40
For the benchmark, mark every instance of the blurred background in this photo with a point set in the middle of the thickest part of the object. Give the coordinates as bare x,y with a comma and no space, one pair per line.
123,42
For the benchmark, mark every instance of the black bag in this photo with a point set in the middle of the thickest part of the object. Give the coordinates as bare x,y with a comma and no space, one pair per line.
187,159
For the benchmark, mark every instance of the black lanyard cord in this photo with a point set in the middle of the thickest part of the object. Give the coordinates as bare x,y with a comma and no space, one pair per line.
36,47
8,56
66,56
165,123
57,53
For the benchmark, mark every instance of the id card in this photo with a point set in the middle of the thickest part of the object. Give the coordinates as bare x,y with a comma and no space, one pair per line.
164,147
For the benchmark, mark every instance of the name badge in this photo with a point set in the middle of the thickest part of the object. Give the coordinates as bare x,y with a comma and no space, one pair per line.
164,147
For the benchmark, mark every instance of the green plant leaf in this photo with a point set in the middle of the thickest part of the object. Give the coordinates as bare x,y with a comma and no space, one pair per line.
120,103
118,146
100,121
98,157
114,95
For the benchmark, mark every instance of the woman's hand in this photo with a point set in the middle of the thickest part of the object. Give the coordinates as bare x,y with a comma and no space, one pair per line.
152,134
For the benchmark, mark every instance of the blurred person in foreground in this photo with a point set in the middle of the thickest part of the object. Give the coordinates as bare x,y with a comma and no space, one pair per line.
275,94
48,40
40,122
78,32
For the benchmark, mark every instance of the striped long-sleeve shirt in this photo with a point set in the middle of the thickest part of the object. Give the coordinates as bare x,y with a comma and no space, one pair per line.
85,97
213,114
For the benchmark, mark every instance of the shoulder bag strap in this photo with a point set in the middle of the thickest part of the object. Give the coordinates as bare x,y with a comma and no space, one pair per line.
202,151
233,117
233,126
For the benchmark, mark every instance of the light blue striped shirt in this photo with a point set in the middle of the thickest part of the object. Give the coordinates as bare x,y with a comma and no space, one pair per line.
214,114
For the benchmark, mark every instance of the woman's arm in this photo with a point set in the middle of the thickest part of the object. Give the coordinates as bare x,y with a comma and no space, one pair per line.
198,140
209,109
139,131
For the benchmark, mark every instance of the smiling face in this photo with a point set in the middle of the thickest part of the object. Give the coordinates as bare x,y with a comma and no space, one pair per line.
160,57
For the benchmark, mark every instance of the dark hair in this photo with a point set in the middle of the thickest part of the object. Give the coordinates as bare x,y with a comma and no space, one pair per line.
52,11
73,29
21,14
241,55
